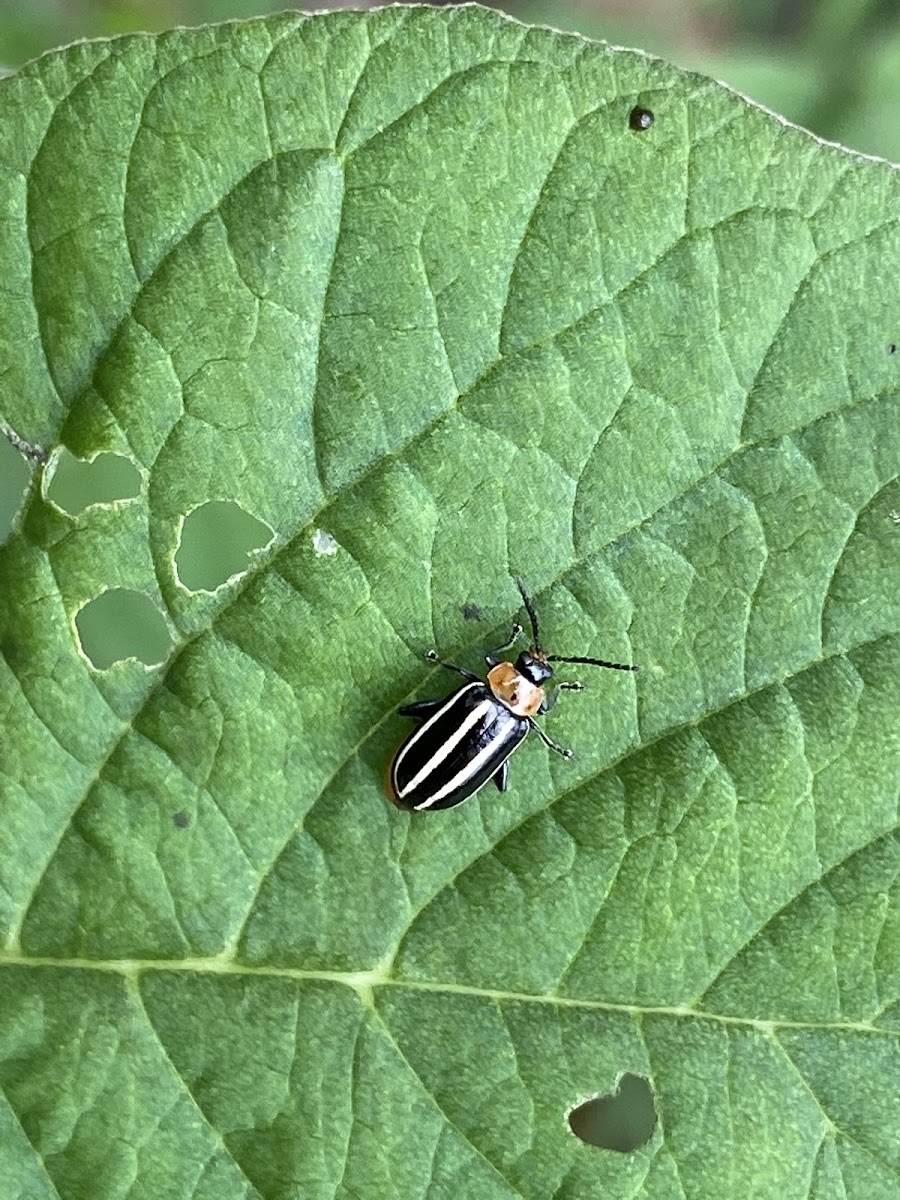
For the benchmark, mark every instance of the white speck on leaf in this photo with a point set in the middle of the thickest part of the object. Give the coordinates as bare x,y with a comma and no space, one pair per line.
324,543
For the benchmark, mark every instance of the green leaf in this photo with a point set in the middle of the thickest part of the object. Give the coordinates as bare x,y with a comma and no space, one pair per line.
406,288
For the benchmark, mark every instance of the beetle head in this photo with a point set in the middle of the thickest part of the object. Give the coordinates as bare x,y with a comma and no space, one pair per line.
534,666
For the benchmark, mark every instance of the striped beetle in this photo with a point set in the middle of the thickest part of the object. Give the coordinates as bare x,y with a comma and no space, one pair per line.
466,739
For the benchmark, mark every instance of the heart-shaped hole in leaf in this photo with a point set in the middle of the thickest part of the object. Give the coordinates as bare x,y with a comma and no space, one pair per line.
622,1121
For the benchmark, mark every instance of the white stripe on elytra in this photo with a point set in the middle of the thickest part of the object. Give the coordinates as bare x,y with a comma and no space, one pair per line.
469,769
451,700
426,725
443,750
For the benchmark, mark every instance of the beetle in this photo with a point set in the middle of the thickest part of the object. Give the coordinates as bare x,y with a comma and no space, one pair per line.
466,739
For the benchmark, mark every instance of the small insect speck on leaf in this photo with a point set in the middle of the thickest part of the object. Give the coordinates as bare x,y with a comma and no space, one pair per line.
640,119
892,347
472,612
181,819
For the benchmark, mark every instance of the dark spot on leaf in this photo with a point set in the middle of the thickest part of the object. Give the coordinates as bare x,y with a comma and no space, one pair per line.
640,119
472,612
622,1121
892,347
120,624
77,484
181,819
216,541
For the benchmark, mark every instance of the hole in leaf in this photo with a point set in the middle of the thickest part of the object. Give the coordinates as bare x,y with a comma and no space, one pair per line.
622,1121
14,477
76,484
120,624
216,541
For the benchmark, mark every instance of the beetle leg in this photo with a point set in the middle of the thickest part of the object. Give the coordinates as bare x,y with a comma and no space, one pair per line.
501,777
491,657
432,656
548,741
554,695
421,710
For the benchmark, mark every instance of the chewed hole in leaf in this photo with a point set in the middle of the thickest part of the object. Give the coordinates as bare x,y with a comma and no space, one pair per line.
120,624
77,484
623,1121
217,540
14,475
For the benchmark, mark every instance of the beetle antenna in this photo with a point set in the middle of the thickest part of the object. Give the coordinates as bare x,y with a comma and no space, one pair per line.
595,662
530,609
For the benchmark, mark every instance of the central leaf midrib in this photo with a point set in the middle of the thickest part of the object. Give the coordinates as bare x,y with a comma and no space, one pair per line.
365,984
